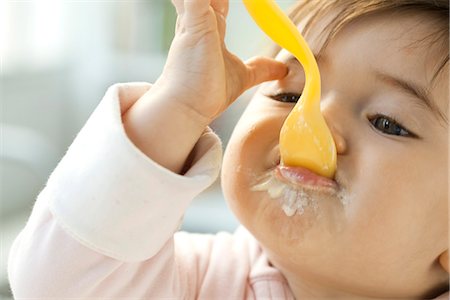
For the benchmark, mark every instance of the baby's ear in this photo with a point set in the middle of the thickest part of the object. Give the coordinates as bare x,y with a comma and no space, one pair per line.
443,260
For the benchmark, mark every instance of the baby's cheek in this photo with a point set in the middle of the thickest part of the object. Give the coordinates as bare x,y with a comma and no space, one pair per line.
279,228
269,224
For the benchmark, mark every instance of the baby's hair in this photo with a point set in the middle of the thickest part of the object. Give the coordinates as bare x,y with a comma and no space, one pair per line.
351,10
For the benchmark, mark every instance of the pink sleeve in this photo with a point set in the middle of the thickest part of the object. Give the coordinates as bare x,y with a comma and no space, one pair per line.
103,225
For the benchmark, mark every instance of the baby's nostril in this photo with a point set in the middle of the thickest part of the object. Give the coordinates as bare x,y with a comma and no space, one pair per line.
275,161
273,156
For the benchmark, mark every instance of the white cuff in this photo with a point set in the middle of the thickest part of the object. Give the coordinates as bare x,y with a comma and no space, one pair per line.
112,198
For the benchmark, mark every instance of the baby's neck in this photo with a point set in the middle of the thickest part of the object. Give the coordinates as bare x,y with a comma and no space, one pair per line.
308,289
305,286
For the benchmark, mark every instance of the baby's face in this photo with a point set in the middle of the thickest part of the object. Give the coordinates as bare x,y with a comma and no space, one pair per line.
381,231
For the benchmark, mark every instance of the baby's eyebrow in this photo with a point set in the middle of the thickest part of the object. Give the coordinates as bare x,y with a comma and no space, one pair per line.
293,60
414,90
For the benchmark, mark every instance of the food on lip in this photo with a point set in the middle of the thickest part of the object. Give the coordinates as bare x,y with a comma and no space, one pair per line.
303,176
305,139
292,200
297,189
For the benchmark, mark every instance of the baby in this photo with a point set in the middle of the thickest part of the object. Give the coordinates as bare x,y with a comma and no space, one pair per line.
104,226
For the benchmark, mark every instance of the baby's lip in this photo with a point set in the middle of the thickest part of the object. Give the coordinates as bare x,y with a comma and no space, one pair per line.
300,176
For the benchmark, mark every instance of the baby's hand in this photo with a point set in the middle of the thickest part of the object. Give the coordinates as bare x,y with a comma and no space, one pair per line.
199,81
204,75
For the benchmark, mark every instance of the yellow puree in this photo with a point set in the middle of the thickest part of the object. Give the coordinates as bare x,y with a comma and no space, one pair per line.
305,139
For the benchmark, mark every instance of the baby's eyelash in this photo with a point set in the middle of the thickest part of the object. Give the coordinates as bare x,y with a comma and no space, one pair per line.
286,97
390,126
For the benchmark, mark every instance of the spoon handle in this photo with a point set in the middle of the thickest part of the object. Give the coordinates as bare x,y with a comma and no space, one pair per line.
276,24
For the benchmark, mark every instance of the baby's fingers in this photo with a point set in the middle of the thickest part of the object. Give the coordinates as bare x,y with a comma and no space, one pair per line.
198,16
220,6
179,6
261,69
196,9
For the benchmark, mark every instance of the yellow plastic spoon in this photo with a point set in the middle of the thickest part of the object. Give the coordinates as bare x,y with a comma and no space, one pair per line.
305,139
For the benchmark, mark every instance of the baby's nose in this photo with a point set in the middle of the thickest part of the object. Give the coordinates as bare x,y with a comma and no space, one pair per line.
332,112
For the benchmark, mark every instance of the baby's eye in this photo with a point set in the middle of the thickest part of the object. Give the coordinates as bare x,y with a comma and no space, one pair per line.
389,126
286,97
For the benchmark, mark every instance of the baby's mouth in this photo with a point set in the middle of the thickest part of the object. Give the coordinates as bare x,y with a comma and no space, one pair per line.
303,177
297,188
299,176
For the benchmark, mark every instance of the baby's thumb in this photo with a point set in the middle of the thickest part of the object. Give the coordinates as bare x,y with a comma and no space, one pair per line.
261,69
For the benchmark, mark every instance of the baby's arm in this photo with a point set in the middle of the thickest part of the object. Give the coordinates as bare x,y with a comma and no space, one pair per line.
103,225
200,80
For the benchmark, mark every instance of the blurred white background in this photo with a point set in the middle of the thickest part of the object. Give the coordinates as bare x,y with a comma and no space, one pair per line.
57,60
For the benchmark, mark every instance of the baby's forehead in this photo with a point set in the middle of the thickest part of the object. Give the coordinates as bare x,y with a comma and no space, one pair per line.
410,30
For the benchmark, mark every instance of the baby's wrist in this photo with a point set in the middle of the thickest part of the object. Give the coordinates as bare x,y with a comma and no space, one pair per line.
163,129
181,101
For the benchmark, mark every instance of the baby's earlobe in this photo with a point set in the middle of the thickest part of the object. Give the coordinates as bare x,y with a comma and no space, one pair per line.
443,260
